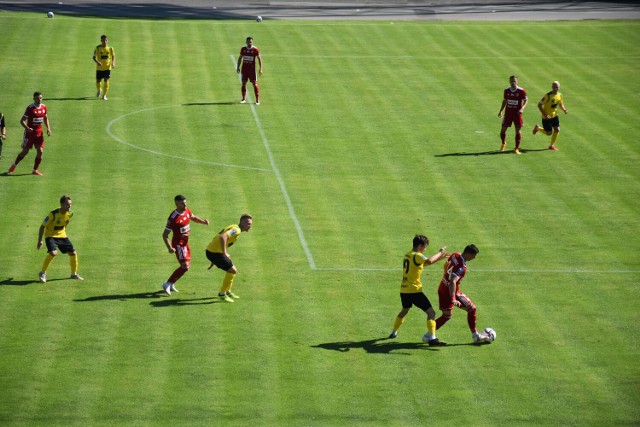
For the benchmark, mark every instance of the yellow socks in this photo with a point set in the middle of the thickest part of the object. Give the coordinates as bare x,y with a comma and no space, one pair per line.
227,282
73,262
106,88
47,261
554,137
398,322
431,327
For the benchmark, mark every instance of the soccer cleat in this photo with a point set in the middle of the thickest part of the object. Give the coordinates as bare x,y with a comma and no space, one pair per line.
436,343
37,172
166,286
225,298
12,169
232,295
553,147
104,97
257,102
536,128
43,277
503,146
393,334
517,151
479,338
173,288
76,277
98,94
243,101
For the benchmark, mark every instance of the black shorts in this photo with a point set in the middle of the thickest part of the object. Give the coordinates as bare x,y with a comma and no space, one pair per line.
219,260
549,124
418,299
103,74
62,243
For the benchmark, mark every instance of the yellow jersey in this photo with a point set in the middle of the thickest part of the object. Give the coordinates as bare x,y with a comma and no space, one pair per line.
550,103
55,224
104,55
412,266
232,231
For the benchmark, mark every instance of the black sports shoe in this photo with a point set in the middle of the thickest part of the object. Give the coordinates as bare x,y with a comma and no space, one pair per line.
436,343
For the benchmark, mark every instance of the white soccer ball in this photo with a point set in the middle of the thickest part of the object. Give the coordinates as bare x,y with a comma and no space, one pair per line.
490,333
259,19
50,15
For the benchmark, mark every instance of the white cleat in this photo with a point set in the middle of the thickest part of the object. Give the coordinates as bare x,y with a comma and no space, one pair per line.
173,288
244,101
166,286
43,277
478,338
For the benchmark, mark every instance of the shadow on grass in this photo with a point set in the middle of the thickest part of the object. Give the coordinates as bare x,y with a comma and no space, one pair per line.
122,297
177,302
386,346
12,282
82,98
488,153
376,346
156,296
195,104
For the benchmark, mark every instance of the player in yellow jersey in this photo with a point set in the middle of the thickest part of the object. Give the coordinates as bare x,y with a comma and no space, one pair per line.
411,288
218,255
54,230
548,106
105,58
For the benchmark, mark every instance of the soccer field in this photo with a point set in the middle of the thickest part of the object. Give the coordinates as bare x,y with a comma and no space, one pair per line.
367,133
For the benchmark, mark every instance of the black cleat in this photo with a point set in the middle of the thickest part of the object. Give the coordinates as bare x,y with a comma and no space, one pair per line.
436,343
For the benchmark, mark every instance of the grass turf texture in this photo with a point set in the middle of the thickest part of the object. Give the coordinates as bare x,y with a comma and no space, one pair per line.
375,131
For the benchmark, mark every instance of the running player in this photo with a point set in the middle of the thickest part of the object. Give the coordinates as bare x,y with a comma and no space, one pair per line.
449,291
178,224
548,106
34,116
105,58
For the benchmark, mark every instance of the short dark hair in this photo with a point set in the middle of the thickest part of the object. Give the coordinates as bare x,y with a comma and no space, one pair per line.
103,37
245,215
249,38
36,93
64,198
420,239
471,249
513,77
180,198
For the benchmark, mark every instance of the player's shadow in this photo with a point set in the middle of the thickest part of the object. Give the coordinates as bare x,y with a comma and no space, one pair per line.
376,346
489,153
195,104
80,98
177,302
122,297
12,282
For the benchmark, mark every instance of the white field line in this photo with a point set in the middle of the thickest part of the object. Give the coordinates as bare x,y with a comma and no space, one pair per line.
521,271
283,188
157,153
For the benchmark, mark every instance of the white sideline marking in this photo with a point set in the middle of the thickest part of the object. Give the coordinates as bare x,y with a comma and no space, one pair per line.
283,188
561,271
157,153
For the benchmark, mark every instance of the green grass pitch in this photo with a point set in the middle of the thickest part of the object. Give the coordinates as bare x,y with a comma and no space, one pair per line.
367,133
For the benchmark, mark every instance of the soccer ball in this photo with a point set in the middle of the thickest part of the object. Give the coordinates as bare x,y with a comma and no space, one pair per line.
259,19
49,14
490,333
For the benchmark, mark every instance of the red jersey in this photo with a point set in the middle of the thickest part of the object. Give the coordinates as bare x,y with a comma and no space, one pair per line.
455,266
515,99
178,224
249,55
35,117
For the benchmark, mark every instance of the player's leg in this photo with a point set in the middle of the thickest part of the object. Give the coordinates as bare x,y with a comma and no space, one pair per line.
52,251
243,88
183,254
36,162
98,87
554,137
26,146
518,139
256,89
467,305
227,283
405,299
106,87
73,263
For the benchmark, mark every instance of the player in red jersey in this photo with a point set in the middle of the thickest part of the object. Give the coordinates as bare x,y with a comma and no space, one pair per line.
449,291
247,65
32,120
178,224
515,100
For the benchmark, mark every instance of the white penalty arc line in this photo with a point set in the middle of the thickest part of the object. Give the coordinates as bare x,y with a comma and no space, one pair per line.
283,188
157,153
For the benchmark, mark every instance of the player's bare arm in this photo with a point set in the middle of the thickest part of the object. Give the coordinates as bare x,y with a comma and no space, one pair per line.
200,220
25,124
504,103
260,63
165,237
47,125
223,244
40,234
436,257
524,104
